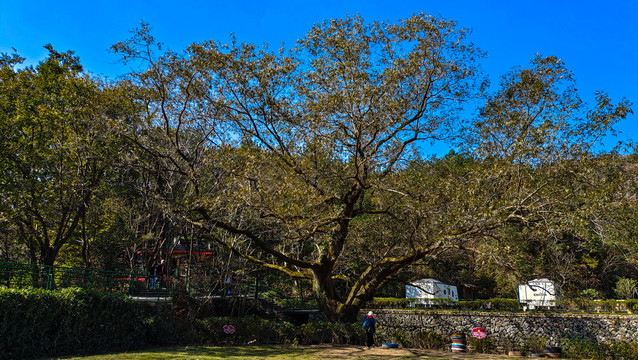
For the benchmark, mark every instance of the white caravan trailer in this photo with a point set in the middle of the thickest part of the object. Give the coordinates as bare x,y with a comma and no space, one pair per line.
539,293
424,291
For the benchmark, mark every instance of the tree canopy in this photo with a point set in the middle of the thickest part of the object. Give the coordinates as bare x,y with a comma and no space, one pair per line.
308,161
310,156
55,145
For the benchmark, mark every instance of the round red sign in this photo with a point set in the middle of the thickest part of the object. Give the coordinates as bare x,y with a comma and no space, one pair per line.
479,332
229,329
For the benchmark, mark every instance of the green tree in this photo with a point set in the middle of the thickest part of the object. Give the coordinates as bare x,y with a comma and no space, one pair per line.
306,162
56,138
323,129
625,288
552,182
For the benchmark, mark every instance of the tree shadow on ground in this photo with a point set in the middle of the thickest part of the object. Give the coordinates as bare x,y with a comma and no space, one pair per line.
242,352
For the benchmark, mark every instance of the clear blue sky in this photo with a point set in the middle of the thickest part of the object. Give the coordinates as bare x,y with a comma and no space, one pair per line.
598,40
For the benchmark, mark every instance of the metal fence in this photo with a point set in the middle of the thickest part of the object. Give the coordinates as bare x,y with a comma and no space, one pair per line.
17,275
137,284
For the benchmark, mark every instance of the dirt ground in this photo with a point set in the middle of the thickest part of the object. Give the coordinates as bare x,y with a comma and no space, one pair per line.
361,352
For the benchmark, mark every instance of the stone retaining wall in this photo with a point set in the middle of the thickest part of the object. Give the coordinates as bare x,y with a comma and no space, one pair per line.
511,328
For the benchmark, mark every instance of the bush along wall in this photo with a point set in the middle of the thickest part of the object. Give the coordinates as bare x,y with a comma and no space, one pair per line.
255,330
625,306
406,303
36,323
596,336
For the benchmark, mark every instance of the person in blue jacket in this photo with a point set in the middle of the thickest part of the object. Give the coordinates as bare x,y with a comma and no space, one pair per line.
369,326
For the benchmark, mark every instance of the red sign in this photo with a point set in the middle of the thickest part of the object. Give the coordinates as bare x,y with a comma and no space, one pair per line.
479,332
229,329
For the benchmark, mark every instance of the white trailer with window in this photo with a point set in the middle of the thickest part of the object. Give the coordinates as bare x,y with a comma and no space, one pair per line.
424,291
539,293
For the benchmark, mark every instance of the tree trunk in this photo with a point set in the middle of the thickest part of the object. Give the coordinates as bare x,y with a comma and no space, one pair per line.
323,288
49,254
333,308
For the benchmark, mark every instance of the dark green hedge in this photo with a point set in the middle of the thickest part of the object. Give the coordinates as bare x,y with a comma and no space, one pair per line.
489,304
507,304
248,329
255,330
586,305
38,323
389,303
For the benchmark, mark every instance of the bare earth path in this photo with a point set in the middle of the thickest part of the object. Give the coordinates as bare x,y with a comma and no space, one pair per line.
349,352
314,352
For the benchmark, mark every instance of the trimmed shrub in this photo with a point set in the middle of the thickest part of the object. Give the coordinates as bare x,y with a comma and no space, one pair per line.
534,344
486,345
40,323
504,304
425,339
314,332
489,304
347,333
298,303
389,303
586,305
579,348
582,348
255,330
247,330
